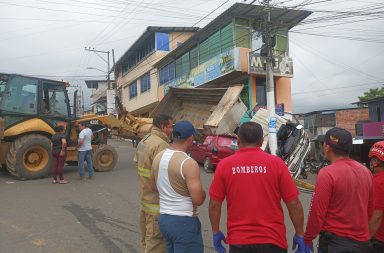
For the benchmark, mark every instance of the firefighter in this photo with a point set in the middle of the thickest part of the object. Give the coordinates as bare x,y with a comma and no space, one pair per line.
153,143
376,224
342,201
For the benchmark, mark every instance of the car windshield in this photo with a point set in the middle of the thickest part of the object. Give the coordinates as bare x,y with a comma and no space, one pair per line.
19,94
228,142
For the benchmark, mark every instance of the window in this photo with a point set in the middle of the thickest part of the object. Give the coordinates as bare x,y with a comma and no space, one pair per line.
133,90
185,63
215,44
204,51
20,95
178,67
226,37
219,42
162,41
242,33
182,65
167,73
142,51
145,82
54,102
194,57
282,40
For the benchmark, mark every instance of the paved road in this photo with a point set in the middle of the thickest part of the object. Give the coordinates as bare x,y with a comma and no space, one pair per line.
98,215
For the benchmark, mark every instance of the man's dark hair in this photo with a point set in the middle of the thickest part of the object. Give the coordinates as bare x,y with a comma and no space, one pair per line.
250,133
58,129
161,120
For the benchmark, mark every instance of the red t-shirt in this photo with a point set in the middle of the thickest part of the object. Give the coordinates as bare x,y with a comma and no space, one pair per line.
342,202
378,184
254,183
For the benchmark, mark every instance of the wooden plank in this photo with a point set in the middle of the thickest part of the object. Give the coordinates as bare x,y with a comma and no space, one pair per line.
225,104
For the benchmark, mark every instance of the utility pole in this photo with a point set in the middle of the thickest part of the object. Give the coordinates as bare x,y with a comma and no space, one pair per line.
108,70
111,108
270,85
114,74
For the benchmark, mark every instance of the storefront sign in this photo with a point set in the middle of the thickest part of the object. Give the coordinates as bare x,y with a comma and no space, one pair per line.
219,65
282,67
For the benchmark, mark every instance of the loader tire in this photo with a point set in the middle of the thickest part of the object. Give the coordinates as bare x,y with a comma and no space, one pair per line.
104,158
29,157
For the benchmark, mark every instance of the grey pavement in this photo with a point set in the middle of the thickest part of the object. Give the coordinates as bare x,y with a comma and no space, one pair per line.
98,215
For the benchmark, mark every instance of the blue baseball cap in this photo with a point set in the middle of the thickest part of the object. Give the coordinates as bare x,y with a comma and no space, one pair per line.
183,130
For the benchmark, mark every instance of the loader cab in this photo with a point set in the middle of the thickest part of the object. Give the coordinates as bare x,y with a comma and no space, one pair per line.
23,97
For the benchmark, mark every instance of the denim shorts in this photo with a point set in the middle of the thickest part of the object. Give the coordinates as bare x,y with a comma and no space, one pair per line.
182,233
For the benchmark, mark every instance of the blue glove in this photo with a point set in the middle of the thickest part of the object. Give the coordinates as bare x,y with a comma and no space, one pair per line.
309,248
217,238
298,244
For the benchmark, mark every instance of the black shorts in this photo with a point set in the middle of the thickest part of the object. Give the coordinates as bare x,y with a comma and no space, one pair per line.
256,248
331,243
376,246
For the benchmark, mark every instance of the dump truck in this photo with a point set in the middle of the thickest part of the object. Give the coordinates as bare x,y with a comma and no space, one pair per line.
210,110
31,107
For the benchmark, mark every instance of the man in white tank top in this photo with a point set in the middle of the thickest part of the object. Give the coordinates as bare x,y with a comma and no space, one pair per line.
176,176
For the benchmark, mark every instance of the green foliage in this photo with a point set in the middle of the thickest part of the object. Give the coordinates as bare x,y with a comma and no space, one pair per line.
371,94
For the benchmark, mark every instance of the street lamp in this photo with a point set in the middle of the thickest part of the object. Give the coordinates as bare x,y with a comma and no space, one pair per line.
98,69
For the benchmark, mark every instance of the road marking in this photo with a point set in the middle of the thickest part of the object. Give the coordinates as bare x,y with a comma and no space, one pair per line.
33,239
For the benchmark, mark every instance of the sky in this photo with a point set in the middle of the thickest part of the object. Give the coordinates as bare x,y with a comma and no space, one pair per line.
338,52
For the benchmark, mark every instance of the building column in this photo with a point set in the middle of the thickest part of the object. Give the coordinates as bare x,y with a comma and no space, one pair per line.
283,93
251,91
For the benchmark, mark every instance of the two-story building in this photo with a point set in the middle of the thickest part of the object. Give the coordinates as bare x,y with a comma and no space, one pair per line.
99,95
135,74
227,51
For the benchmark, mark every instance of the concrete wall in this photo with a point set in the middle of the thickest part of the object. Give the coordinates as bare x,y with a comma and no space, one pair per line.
348,118
175,37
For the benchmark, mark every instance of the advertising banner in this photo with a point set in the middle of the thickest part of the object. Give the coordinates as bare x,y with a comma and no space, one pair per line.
219,65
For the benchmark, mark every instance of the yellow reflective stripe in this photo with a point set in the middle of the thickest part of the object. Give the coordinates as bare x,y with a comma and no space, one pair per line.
150,208
144,172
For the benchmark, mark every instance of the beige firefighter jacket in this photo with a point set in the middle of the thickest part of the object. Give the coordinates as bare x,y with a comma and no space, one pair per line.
147,149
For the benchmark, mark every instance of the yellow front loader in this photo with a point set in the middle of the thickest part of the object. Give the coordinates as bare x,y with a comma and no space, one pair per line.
31,107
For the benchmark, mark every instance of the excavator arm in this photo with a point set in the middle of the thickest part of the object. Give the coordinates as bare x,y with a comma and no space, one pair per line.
125,125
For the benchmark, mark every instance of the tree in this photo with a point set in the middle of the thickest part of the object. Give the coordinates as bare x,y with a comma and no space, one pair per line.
371,94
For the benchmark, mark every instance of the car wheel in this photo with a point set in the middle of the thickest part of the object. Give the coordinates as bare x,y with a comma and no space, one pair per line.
208,165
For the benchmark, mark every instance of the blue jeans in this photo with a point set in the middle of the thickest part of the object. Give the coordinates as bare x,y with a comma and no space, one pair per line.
87,156
182,233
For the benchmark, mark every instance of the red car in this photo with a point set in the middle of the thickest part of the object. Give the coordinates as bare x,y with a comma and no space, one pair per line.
213,149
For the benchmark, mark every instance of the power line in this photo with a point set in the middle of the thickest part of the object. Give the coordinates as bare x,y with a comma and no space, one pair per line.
337,88
343,37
